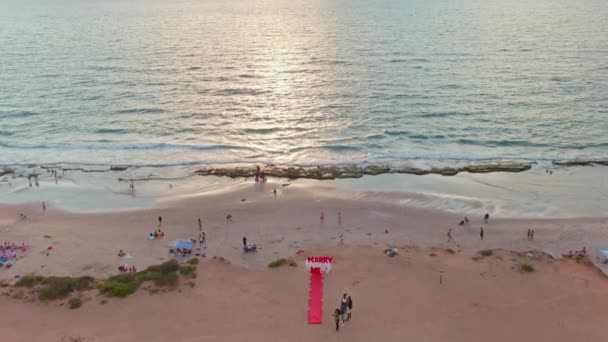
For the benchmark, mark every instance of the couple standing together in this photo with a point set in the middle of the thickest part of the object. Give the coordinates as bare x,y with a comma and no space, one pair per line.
344,313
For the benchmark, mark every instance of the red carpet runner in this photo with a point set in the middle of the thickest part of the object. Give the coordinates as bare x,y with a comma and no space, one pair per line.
315,297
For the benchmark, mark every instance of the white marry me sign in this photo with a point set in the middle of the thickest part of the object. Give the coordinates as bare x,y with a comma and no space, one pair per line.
323,263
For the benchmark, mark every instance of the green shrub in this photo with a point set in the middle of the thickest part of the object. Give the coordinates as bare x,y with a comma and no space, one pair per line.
113,288
61,287
29,281
152,276
167,279
277,263
74,303
486,252
193,261
166,267
164,274
526,267
188,271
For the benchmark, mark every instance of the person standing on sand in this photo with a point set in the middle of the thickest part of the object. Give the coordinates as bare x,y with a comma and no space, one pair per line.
450,238
343,306
43,207
160,221
349,308
275,192
532,235
529,234
244,242
337,315
200,225
228,218
486,218
481,233
322,217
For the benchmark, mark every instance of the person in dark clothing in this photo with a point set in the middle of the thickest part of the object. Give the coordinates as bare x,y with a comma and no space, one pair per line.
160,221
344,306
349,309
481,233
244,241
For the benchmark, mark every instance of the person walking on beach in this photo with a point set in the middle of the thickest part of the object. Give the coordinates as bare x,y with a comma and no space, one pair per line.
244,242
228,218
337,315
486,218
532,235
322,217
450,238
343,306
160,221
481,233
275,192
349,308
200,225
43,207
529,234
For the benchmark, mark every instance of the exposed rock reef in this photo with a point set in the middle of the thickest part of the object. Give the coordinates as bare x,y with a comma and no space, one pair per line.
333,172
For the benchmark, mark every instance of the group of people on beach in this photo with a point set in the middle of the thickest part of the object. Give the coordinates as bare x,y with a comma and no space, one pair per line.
158,233
530,234
35,178
201,234
577,254
344,312
465,221
10,252
127,269
260,176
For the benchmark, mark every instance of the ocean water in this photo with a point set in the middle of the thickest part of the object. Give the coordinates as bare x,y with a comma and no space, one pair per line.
155,82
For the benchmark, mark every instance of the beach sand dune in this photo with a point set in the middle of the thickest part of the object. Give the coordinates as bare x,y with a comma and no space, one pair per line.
398,298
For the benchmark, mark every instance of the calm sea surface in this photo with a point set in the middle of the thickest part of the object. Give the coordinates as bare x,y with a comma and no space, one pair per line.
296,82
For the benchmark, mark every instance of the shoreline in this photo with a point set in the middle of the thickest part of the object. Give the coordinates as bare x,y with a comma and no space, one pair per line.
536,193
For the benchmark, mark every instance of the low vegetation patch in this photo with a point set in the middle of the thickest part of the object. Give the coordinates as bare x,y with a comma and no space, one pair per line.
29,281
123,285
188,270
526,267
277,263
74,303
486,252
50,288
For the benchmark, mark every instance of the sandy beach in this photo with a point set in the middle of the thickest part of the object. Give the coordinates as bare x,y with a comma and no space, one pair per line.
241,298
88,243
397,298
